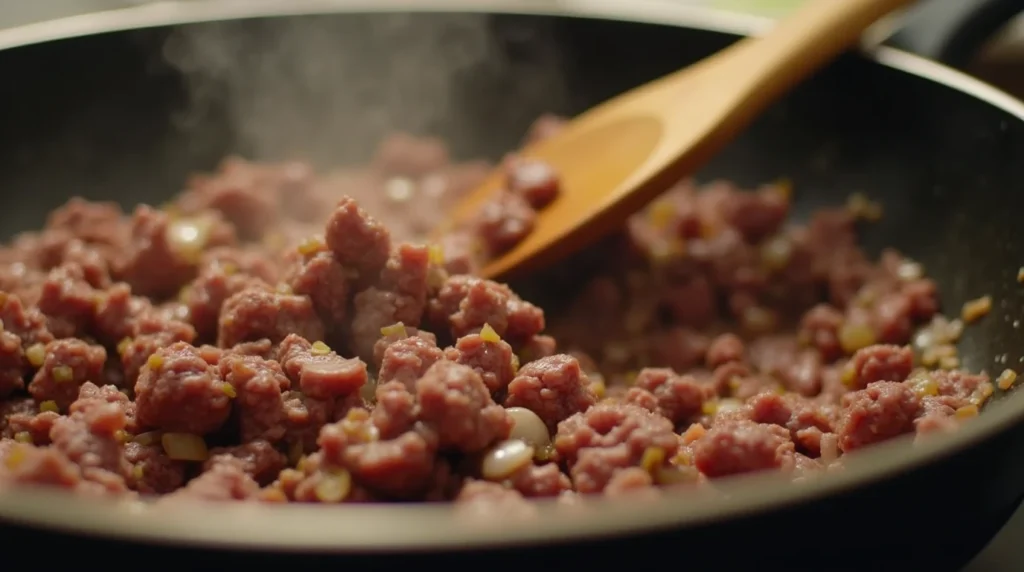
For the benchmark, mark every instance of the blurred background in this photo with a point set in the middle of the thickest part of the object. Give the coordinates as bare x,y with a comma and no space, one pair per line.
1001,63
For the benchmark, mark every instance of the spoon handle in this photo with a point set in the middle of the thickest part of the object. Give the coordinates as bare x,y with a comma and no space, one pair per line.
801,43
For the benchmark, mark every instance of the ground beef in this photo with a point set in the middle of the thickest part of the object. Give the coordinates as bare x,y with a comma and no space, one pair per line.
256,313
608,437
406,359
456,403
66,366
737,447
277,335
153,472
679,397
179,391
257,458
881,411
553,387
259,402
492,359
879,363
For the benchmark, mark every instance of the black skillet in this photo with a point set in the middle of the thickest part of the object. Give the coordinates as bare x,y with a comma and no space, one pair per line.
102,115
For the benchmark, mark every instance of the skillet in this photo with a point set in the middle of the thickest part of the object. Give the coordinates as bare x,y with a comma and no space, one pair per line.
94,109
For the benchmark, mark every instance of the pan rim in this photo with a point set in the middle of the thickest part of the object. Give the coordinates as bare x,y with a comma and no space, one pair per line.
423,527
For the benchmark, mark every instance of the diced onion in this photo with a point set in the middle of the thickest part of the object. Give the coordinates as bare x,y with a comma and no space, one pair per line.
974,310
147,438
506,458
187,237
320,349
488,334
311,246
527,426
967,411
435,254
63,373
853,337
1006,379
36,354
15,457
184,446
155,362
333,486
653,458
397,329
925,386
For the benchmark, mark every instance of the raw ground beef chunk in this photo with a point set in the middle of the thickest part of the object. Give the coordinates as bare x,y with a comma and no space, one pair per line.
275,335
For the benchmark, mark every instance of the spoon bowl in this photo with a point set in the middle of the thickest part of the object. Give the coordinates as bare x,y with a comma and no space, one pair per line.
616,157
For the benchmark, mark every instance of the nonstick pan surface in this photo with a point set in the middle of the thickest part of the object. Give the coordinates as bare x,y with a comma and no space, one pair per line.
101,116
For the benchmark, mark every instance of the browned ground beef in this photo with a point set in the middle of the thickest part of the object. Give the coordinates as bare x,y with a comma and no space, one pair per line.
264,337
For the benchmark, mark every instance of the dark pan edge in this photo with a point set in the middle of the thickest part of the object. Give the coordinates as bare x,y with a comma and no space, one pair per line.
130,521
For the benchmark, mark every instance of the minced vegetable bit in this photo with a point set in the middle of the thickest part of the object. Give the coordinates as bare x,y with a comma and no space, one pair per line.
488,334
23,437
435,254
311,246
967,411
36,355
853,337
63,373
188,237
15,457
49,405
320,349
926,386
949,362
184,446
229,390
653,458
693,432
333,486
1006,379
935,355
976,309
147,438
396,329
155,362
981,394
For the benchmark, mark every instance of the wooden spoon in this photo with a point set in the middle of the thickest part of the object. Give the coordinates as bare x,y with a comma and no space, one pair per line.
617,157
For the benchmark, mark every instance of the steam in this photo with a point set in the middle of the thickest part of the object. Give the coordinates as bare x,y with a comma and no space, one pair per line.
327,88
